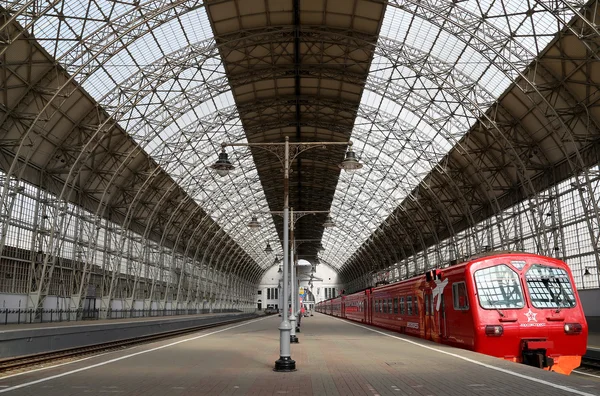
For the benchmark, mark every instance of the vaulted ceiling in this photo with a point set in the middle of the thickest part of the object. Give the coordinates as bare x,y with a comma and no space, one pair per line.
456,109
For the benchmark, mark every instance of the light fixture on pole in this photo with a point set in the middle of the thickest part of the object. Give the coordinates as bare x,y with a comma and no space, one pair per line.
268,249
350,164
223,165
328,222
254,224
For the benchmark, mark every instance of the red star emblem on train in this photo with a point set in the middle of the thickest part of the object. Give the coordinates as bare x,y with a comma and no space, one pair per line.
530,316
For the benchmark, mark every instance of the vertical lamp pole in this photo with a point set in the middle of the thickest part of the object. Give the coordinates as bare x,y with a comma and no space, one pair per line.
293,337
285,362
223,166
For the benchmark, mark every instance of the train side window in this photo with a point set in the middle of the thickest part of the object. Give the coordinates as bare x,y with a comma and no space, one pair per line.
395,305
416,305
389,305
427,309
402,306
409,305
459,295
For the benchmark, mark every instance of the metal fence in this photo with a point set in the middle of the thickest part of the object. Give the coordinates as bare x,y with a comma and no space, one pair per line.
20,316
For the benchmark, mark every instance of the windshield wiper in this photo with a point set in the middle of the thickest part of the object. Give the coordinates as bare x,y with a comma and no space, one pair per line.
546,282
492,303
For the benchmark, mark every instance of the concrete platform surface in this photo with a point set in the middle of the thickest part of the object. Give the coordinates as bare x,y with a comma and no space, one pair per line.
334,357
81,323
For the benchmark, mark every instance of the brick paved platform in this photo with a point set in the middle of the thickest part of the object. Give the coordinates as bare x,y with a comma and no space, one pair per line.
334,357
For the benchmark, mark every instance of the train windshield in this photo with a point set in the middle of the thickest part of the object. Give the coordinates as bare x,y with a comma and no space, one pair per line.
498,287
549,287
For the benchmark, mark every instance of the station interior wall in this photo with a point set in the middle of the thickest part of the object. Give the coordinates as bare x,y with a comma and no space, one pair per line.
590,299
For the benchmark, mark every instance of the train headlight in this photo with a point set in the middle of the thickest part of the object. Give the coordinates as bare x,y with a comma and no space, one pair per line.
573,328
494,330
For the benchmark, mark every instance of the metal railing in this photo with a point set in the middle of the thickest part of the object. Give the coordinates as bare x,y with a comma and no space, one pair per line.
23,316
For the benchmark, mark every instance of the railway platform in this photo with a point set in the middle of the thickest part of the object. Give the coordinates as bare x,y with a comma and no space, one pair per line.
34,338
334,357
104,322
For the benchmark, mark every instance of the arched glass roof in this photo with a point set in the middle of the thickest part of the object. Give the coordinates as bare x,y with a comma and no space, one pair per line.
181,77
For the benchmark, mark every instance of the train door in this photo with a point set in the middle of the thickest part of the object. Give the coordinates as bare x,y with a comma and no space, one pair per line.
370,308
427,317
442,318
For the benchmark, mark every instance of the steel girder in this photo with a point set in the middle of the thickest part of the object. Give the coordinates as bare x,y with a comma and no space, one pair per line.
409,2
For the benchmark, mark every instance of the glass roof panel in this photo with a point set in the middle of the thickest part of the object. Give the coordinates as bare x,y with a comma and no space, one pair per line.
411,156
419,88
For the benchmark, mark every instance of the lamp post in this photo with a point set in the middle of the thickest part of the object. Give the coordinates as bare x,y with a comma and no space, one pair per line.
295,303
282,151
295,291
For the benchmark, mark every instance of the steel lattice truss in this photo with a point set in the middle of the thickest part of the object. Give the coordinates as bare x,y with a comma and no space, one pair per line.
114,111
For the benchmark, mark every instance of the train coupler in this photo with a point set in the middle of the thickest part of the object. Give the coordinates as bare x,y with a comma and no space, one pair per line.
534,353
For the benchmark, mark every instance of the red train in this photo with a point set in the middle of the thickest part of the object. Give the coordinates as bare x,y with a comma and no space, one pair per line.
517,306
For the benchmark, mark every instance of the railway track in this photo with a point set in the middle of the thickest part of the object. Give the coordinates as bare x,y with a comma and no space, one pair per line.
17,363
591,360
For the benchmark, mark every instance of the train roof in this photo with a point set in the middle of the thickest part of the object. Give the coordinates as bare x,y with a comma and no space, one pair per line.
464,263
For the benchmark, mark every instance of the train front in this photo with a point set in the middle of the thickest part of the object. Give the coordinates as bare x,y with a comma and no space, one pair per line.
528,311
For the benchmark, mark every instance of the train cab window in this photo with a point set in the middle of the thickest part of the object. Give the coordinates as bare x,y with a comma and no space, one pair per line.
416,305
549,287
396,305
409,305
402,310
459,295
498,287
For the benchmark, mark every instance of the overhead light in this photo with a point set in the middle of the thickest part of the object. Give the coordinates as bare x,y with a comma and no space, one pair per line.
320,247
268,249
276,260
587,272
254,223
328,222
350,164
223,165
